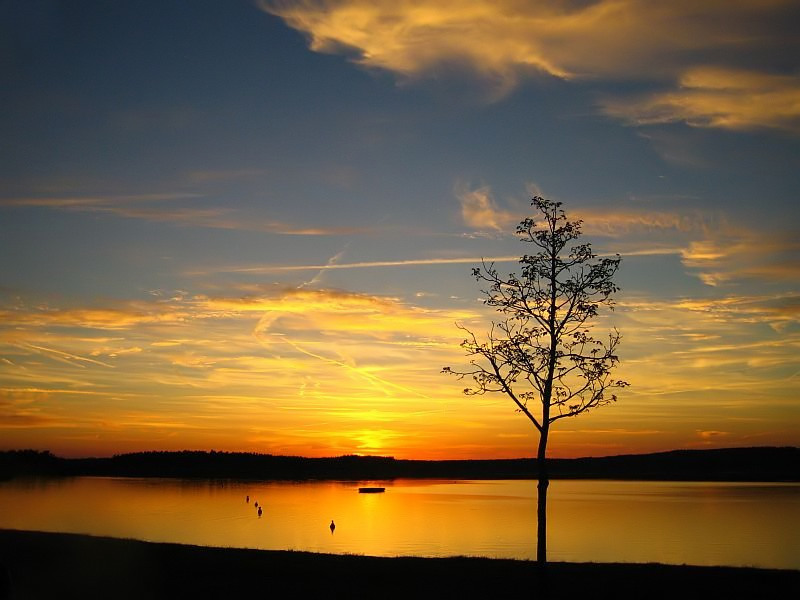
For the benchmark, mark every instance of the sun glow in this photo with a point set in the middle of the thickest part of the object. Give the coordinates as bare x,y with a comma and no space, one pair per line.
322,372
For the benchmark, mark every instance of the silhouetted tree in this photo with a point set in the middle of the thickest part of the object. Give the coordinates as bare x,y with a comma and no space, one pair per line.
541,353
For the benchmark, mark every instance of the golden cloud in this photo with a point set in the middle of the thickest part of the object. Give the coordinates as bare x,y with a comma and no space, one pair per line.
731,254
133,314
702,313
722,98
617,223
713,249
329,312
502,40
353,343
479,210
708,352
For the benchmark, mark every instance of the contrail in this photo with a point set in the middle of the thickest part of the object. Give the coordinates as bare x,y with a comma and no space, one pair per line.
368,376
268,319
329,265
369,264
333,263
63,356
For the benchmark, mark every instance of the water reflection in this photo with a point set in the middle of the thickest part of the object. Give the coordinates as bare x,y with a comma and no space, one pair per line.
600,521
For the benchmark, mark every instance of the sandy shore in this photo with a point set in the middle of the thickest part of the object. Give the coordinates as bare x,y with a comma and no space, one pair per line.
46,565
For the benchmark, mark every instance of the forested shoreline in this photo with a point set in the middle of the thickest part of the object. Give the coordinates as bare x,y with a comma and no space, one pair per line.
729,464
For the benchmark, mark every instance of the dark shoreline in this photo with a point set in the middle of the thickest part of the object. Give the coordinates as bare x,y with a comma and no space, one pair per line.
728,464
58,565
53,565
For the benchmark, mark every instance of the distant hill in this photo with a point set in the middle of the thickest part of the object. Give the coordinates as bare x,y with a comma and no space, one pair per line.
730,464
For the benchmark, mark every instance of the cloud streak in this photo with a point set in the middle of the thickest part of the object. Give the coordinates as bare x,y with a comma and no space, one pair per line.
720,98
730,254
128,315
154,208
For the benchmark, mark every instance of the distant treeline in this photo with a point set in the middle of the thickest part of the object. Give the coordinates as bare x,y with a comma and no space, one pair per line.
732,464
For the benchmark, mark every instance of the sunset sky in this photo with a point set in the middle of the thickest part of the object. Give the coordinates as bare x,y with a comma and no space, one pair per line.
249,225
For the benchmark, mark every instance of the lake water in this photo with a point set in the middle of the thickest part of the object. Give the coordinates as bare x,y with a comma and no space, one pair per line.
738,524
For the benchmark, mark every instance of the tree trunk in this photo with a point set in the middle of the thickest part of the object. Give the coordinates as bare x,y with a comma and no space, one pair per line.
541,519
541,511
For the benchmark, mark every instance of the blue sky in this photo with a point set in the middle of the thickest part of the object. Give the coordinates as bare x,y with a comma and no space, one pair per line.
250,225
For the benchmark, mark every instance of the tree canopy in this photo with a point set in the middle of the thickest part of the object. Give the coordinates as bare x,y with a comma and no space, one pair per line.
542,349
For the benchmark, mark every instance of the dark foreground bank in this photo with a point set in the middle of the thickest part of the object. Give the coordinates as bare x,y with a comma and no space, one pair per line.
47,565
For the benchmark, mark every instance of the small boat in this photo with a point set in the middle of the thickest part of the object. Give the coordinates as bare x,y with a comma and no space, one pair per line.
371,490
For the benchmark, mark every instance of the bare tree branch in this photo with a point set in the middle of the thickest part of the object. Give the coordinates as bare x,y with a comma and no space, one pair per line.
543,347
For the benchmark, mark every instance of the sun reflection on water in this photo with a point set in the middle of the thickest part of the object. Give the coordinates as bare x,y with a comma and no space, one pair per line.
600,521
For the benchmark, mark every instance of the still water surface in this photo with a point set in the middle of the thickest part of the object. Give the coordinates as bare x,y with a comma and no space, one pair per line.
739,524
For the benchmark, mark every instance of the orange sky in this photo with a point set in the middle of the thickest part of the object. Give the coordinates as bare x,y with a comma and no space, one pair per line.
254,232
320,373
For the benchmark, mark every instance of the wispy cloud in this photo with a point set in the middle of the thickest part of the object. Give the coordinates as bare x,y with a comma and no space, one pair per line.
23,420
329,364
224,337
98,203
729,309
730,254
718,97
711,248
621,222
717,251
161,208
349,311
124,316
711,353
479,210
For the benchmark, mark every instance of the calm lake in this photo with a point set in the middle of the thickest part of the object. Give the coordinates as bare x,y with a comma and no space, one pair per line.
738,524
